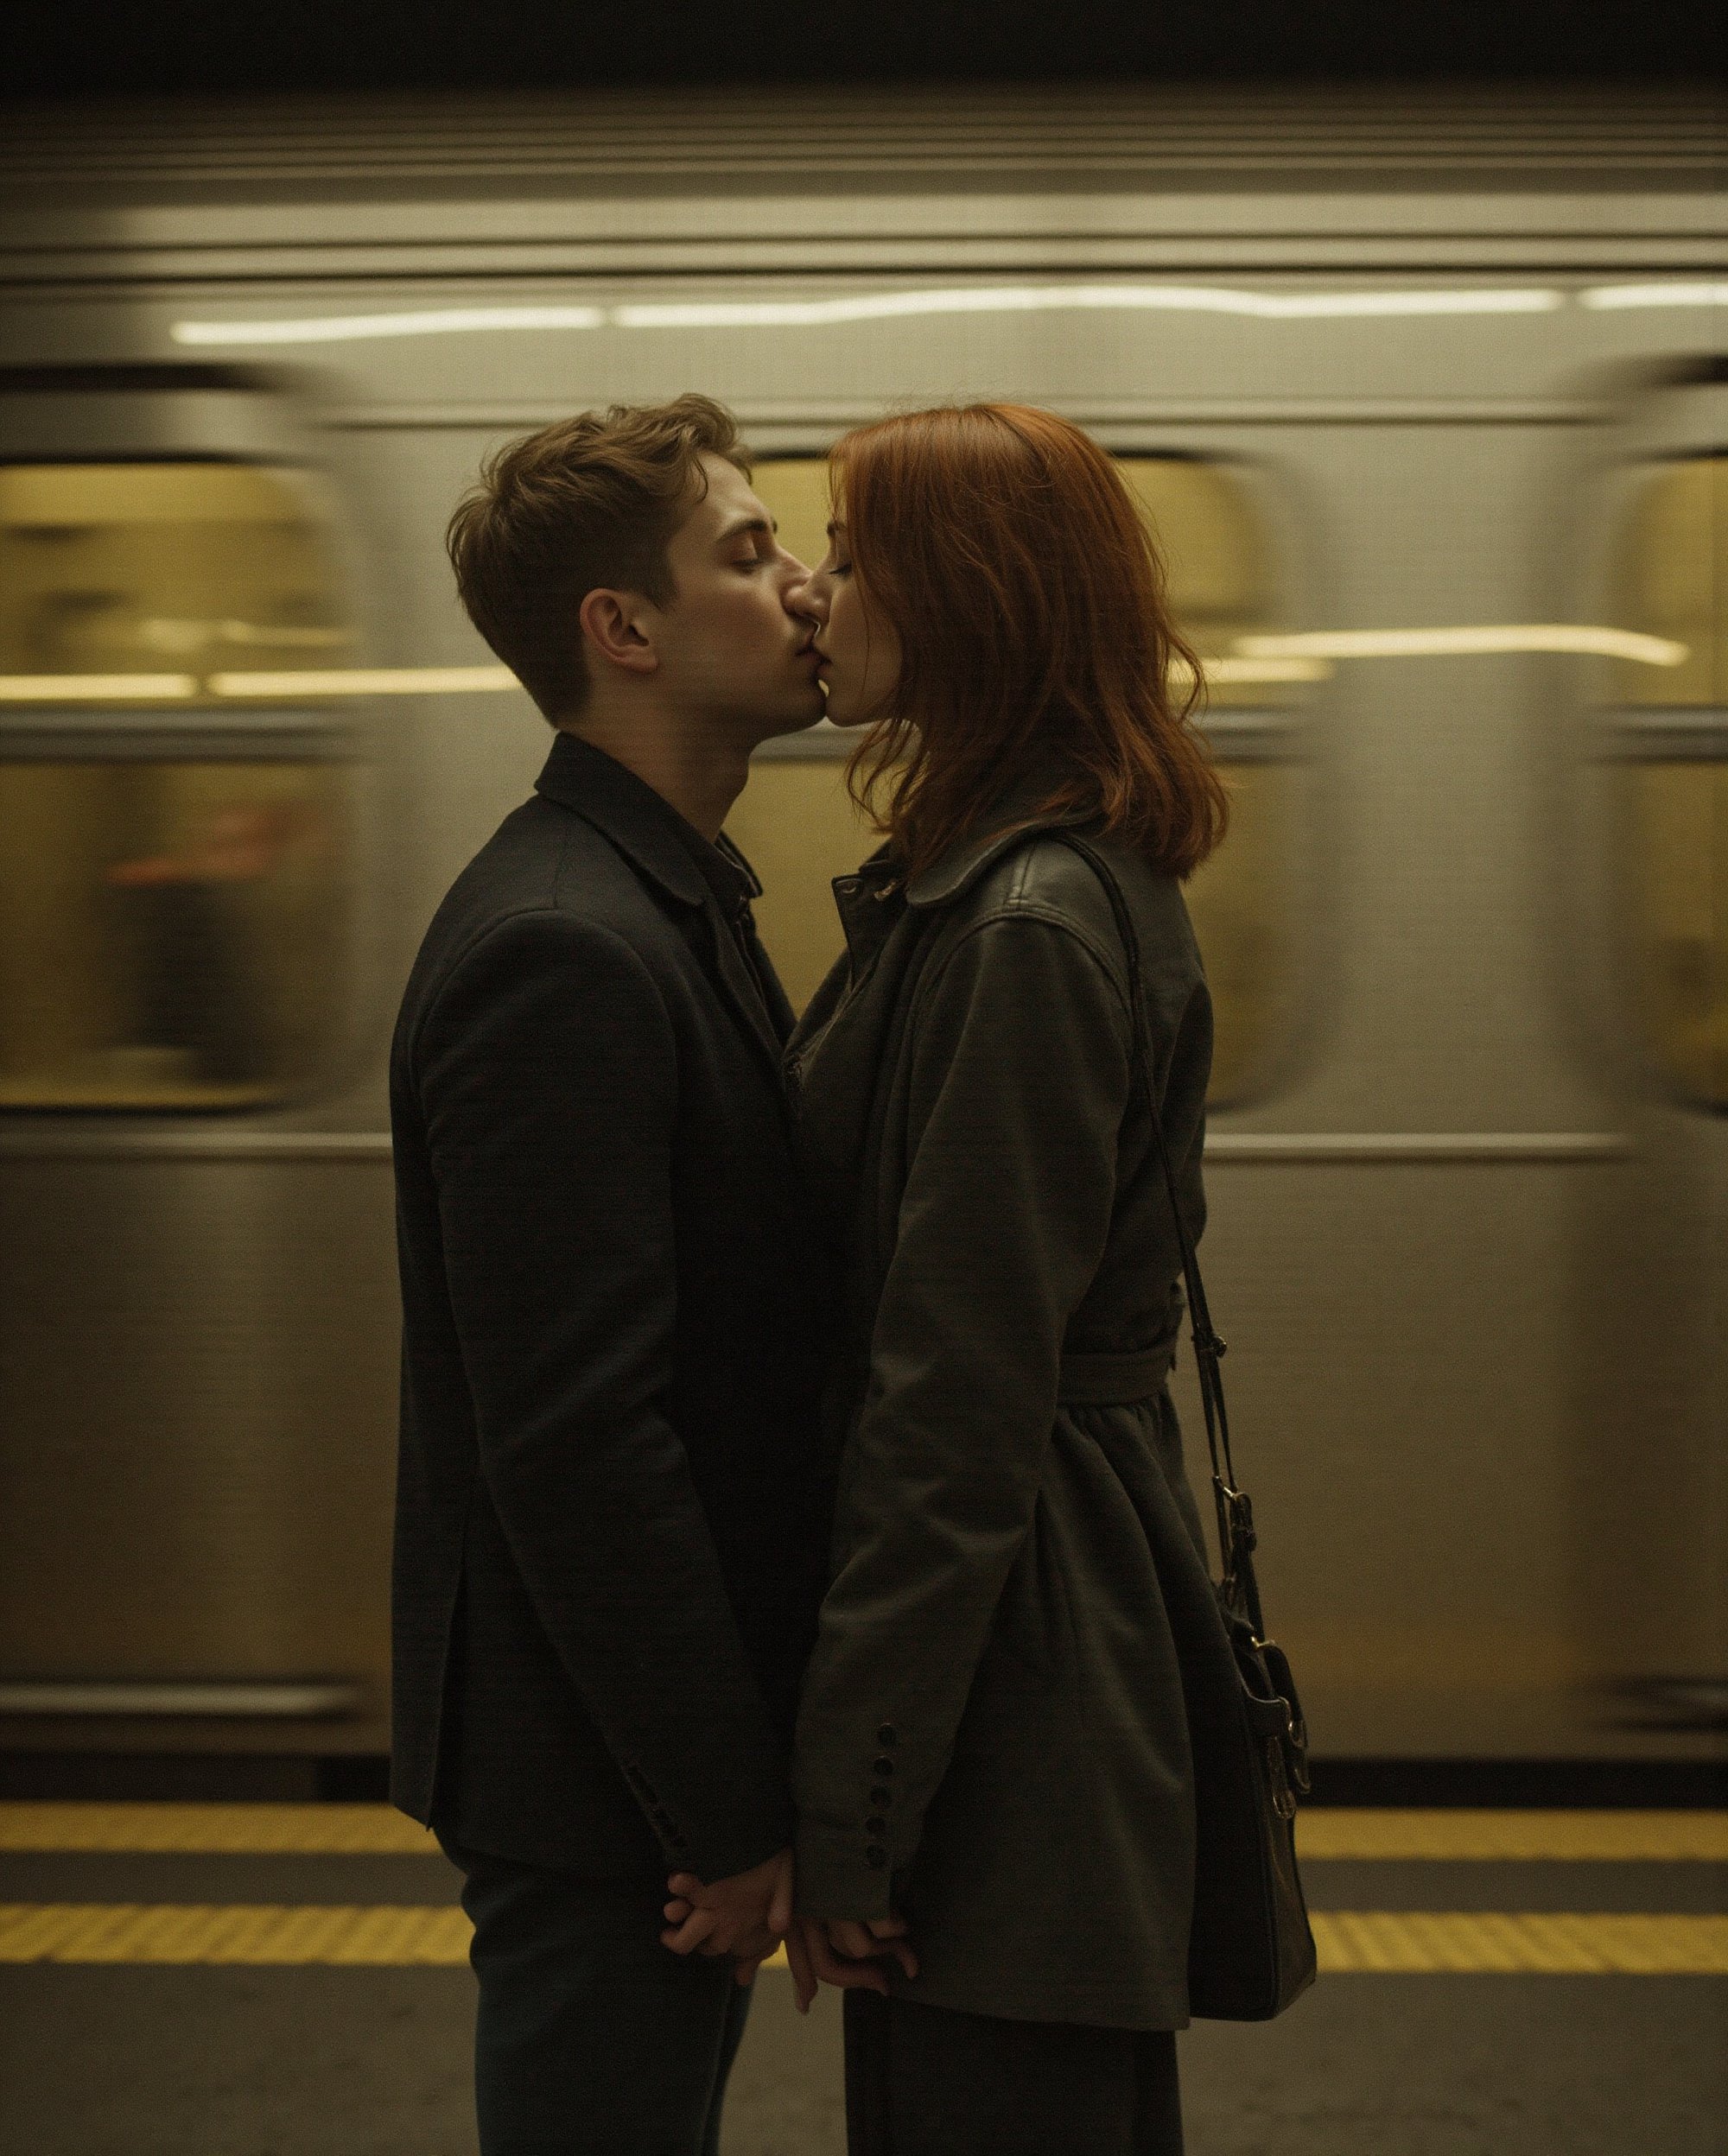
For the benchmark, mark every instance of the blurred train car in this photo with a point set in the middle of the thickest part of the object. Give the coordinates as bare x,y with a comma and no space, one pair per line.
1428,399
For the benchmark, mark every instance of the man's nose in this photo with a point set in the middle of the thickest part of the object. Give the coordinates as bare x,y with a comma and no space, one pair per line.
803,596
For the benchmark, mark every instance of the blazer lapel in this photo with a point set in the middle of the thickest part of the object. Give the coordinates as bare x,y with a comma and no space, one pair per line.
643,828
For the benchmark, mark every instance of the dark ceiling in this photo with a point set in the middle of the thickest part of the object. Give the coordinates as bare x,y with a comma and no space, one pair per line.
82,47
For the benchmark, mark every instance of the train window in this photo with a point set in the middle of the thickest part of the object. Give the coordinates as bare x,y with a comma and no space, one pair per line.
166,931
800,828
180,571
1670,582
1218,558
174,880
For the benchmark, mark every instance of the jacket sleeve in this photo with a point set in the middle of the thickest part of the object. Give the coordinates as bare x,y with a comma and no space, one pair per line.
548,1080
1019,1075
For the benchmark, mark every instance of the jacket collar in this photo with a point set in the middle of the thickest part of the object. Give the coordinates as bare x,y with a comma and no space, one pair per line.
1011,816
626,810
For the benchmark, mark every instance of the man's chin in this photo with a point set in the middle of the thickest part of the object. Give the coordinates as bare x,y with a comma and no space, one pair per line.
794,724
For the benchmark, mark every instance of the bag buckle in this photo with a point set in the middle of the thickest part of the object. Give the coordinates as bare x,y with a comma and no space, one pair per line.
1239,1510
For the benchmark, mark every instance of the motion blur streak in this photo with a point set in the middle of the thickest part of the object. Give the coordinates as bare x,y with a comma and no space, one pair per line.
1299,657
324,329
874,307
1423,644
1655,295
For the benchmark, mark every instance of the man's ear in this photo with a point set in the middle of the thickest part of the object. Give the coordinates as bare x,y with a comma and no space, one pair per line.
619,629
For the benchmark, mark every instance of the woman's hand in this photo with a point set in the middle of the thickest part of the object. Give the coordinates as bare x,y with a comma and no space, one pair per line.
846,1954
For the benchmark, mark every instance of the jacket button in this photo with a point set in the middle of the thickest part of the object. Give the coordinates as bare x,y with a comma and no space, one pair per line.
875,1826
875,1857
882,1766
887,1734
881,1797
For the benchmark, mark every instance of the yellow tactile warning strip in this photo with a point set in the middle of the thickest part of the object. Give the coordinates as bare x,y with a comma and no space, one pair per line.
1350,1942
376,1830
1514,1837
131,1931
1363,1941
213,1829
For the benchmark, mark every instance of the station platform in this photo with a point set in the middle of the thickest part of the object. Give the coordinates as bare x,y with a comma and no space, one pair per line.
280,1979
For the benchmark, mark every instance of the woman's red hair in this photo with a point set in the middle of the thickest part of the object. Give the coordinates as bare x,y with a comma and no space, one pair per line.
1028,597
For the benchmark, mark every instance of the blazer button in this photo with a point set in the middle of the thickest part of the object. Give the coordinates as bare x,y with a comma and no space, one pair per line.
887,1735
881,1797
875,1857
884,1765
875,1826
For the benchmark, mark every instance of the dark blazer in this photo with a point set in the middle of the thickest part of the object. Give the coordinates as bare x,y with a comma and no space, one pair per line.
610,1514
993,1737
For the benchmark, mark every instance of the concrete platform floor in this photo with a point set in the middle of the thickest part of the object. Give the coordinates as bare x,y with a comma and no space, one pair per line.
164,2058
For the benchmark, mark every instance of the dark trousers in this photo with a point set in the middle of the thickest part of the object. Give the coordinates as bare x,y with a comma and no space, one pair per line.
591,2039
927,2081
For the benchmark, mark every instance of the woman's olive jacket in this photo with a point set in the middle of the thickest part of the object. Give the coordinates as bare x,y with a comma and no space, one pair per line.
991,1739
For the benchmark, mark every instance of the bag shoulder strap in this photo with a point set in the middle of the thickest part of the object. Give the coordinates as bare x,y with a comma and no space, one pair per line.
1236,1540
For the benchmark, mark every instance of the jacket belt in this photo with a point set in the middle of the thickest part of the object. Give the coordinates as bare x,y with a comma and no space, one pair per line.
1114,1380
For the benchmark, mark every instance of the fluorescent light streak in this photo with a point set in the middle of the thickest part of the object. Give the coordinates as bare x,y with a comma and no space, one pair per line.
867,307
1307,656
172,633
1422,643
1655,295
1265,670
103,689
369,681
1017,299
323,680
330,329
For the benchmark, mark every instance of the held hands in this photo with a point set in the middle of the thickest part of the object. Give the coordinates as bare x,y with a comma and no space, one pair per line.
748,1915
845,1953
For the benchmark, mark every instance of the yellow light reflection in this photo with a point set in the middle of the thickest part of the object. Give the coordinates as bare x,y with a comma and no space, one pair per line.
1304,656
369,681
1260,669
1422,643
107,688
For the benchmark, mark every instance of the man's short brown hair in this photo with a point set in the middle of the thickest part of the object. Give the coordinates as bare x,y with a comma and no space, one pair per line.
587,503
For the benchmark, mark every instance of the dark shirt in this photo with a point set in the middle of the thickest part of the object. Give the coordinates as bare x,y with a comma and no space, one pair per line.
735,883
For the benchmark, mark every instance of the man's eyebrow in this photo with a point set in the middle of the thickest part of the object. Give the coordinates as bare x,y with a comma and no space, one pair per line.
739,525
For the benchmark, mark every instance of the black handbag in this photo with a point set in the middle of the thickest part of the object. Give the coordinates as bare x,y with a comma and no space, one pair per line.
1250,1950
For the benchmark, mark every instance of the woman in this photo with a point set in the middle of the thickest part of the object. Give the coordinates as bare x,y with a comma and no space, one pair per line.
992,1772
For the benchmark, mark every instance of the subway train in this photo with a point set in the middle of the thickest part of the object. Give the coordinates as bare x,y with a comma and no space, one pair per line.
1426,397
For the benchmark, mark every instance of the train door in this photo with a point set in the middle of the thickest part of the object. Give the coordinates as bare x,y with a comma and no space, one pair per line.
1660,1514
197,1333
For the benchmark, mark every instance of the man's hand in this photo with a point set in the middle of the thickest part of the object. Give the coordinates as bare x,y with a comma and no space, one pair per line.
747,1915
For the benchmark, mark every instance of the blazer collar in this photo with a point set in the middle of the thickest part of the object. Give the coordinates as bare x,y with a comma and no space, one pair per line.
626,810
1011,816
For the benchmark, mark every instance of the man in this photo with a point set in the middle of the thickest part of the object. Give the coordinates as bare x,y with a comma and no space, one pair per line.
611,1522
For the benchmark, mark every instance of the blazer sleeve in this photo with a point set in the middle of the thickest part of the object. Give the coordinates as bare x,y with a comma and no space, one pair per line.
548,1080
1020,1076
